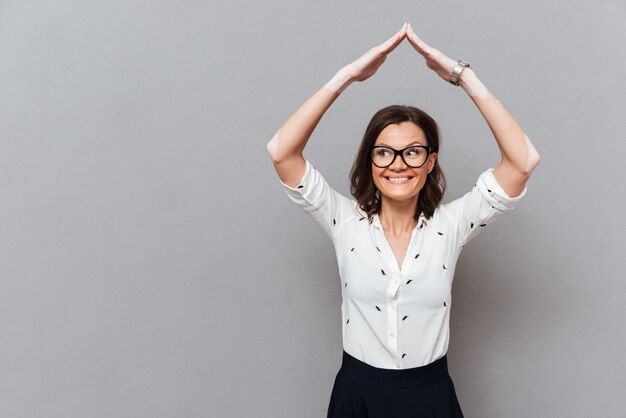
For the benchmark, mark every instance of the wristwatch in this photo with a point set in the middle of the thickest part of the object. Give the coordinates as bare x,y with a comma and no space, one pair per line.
456,72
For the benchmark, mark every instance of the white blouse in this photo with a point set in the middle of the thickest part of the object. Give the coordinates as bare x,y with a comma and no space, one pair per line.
397,317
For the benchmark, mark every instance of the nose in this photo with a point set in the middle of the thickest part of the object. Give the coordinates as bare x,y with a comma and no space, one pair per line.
398,162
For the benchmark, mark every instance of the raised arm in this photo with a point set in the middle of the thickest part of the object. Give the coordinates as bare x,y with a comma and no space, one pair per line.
285,148
519,156
296,131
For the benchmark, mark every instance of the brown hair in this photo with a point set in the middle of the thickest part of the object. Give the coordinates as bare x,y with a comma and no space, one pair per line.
362,185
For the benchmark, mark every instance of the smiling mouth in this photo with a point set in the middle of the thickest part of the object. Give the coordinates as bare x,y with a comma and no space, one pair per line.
400,180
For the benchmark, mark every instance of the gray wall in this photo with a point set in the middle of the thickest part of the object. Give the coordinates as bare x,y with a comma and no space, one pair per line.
152,266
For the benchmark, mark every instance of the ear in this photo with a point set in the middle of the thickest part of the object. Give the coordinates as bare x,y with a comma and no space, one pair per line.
432,158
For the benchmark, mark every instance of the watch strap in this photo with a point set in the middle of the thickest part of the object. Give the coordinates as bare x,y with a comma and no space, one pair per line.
456,72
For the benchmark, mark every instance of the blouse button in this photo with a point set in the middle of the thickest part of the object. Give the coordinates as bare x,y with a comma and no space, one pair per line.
392,334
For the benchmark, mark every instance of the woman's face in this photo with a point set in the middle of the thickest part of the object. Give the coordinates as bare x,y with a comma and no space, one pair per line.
400,136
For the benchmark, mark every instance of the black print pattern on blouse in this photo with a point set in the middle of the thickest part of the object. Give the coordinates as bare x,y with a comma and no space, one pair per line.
299,187
416,256
481,225
334,223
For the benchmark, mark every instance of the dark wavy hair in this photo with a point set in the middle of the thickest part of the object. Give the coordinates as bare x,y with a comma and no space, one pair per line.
362,185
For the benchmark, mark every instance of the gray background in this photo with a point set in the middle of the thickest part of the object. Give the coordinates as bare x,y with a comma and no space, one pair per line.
152,266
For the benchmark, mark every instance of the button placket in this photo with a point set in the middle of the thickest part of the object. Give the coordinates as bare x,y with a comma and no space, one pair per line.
394,285
397,274
392,312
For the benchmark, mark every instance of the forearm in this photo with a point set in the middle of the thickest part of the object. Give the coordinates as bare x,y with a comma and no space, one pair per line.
515,147
293,135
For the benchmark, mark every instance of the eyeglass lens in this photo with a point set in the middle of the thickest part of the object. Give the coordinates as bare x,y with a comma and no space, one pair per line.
413,157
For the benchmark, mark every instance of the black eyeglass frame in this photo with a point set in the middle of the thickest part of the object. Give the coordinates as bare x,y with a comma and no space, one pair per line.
428,149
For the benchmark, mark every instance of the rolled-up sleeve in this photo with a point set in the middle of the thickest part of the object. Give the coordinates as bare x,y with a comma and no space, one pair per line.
329,208
472,212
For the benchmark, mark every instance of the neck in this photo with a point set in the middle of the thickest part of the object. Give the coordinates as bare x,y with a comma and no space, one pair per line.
397,218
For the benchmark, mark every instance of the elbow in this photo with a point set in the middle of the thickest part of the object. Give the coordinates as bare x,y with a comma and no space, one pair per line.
277,153
533,164
533,158
270,150
525,168
272,147
536,160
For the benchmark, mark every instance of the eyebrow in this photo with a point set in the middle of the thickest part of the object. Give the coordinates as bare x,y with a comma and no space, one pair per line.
412,143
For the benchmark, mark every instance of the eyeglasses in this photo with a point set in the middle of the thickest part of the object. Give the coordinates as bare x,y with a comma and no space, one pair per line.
414,156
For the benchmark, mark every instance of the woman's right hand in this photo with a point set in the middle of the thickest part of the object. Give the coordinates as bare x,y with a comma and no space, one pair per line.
365,67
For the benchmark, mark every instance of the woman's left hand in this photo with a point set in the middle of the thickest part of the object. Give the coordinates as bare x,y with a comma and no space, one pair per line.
435,59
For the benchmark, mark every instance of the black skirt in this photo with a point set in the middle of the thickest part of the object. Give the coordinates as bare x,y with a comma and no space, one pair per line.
361,390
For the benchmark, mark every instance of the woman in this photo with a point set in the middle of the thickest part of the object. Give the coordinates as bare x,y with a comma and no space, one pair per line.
396,245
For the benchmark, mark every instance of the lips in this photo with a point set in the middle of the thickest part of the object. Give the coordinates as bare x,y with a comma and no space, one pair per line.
407,179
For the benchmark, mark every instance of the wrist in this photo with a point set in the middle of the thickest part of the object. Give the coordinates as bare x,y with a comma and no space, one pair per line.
339,82
469,82
466,77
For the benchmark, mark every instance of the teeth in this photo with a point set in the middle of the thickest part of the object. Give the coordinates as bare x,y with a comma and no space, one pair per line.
398,179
